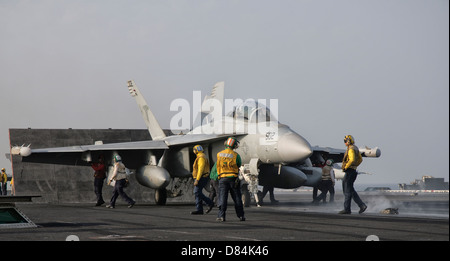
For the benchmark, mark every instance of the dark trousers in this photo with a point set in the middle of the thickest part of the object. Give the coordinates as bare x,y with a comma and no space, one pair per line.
315,190
325,187
214,194
118,190
349,191
199,196
229,185
98,188
270,190
3,190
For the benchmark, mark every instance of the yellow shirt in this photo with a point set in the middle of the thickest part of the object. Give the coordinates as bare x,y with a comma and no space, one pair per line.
352,158
3,177
201,166
227,163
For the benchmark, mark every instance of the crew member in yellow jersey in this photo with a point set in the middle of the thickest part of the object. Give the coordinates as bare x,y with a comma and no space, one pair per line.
3,180
200,174
228,163
352,159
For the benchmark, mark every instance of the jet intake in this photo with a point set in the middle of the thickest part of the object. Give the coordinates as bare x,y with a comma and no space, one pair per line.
153,177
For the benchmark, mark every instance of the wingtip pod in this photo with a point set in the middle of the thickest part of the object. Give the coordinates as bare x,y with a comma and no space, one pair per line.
371,153
23,150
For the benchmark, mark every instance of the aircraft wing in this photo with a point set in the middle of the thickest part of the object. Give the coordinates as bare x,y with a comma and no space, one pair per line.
194,138
73,155
77,155
329,153
136,145
338,154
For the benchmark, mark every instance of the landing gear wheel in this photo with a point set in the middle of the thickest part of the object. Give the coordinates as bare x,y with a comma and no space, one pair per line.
160,197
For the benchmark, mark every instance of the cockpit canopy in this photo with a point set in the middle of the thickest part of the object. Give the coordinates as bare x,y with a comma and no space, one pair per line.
252,111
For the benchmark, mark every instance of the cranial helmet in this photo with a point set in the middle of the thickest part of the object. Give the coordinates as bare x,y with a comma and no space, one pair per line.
329,162
231,142
350,139
198,148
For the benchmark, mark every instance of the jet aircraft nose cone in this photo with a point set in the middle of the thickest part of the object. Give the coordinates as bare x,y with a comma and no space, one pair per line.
293,148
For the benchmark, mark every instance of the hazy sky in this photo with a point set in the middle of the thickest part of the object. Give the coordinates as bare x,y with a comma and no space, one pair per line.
378,70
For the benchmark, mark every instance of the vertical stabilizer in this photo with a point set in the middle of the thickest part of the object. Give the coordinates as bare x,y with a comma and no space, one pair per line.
152,124
217,95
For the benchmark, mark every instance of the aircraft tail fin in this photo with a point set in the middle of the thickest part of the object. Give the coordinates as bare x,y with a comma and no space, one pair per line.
217,95
152,124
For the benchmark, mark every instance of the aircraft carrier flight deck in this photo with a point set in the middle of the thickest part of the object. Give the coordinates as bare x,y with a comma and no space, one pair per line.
294,218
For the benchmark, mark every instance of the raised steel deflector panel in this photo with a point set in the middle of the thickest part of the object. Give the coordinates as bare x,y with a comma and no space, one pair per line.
14,199
57,183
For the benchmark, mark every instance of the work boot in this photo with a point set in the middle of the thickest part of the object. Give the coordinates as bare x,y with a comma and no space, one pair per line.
362,208
344,212
209,209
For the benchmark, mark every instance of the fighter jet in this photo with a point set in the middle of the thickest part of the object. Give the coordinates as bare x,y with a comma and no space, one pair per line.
271,151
